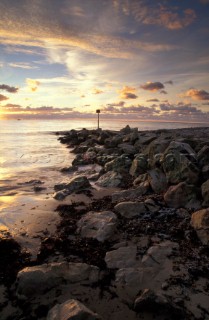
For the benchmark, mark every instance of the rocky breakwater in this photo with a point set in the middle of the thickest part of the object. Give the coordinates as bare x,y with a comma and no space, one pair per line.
134,232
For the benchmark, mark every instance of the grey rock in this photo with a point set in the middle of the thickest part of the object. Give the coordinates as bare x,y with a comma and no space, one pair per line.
127,148
120,164
179,163
72,310
182,195
205,193
36,280
123,257
97,225
157,180
111,179
139,165
130,194
203,156
130,209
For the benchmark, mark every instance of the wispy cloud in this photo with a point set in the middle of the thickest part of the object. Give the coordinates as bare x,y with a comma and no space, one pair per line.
22,65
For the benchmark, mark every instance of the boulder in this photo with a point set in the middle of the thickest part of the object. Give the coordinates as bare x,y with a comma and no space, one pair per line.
151,206
182,195
139,165
151,301
97,225
156,255
205,193
75,184
179,163
157,180
120,164
123,257
127,148
200,222
111,179
130,194
36,280
205,172
130,209
203,156
71,310
141,178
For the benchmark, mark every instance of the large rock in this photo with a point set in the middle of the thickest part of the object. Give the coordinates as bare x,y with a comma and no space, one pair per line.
36,280
75,184
182,195
203,156
130,209
205,193
151,301
157,180
123,257
127,148
139,165
179,163
71,310
200,222
131,194
120,164
97,225
111,179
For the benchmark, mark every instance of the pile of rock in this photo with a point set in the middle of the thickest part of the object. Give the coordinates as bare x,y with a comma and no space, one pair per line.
150,232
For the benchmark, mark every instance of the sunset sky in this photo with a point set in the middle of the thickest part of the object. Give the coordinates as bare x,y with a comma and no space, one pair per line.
139,59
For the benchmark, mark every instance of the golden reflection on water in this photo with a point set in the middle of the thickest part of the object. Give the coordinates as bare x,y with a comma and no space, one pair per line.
8,200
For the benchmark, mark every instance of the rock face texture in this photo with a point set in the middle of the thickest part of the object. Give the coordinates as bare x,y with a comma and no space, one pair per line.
72,310
180,163
130,209
97,225
200,222
205,193
36,280
182,195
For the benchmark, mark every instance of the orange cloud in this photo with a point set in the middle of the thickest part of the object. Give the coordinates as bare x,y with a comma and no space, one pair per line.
128,93
97,91
197,94
33,84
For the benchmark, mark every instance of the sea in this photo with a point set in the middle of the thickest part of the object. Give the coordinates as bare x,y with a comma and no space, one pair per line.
31,154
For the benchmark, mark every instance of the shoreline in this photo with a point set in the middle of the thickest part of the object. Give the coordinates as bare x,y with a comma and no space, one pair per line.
130,236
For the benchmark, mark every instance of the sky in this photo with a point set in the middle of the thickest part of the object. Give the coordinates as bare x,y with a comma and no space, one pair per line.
132,59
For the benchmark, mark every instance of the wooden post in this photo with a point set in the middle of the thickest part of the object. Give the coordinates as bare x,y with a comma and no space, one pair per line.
98,112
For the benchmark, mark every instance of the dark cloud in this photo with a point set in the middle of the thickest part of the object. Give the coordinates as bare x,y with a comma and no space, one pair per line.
163,92
153,100
197,94
128,93
41,110
168,82
2,97
152,86
180,108
8,88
